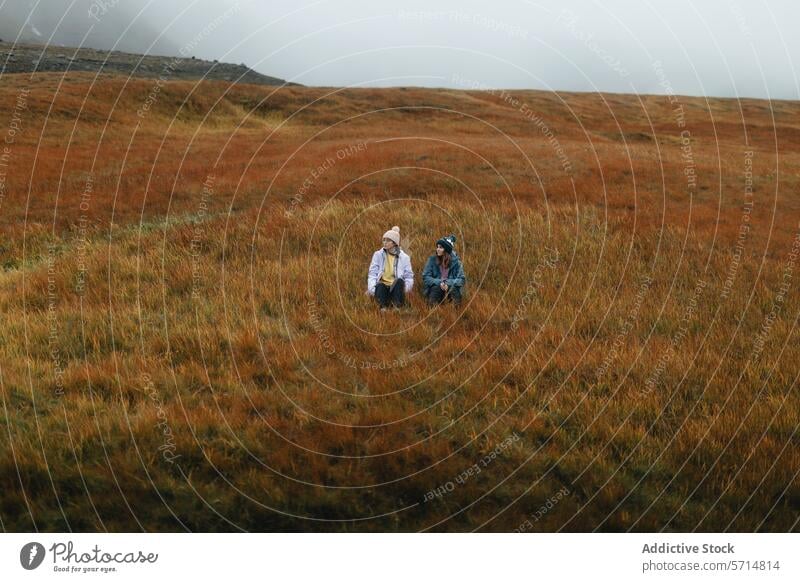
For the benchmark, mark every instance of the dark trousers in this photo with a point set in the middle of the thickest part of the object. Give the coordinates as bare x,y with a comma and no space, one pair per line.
436,295
394,295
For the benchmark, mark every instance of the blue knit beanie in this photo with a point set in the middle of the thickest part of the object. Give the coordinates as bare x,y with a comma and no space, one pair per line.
447,242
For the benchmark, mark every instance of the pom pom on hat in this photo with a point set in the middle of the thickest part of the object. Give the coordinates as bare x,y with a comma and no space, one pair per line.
448,242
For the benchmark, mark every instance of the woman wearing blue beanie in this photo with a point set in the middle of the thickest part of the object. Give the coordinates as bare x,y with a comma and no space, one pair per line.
443,277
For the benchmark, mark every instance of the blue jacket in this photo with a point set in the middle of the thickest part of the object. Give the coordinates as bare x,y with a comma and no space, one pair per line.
431,275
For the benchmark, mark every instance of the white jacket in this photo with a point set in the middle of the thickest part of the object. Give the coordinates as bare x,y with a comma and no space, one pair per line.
402,265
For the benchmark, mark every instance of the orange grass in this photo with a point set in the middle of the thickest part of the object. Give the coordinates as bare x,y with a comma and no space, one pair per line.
186,270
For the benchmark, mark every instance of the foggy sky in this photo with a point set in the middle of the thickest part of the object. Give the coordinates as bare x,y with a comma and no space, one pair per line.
701,47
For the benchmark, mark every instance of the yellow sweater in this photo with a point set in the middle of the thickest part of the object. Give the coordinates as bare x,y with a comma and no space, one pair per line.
387,277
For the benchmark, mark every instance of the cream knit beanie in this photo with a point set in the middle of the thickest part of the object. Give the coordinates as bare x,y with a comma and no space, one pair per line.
393,235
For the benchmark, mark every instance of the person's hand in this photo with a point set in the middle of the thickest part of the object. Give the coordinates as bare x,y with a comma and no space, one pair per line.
443,286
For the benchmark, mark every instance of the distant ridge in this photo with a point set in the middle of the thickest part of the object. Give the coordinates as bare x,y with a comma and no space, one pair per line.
27,58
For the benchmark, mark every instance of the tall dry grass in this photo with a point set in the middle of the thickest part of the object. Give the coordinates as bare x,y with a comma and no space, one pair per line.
192,348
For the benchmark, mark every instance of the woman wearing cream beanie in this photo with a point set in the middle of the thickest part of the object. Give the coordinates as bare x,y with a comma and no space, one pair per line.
390,275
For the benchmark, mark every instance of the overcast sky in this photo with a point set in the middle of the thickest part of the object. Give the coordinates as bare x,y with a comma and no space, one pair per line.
705,47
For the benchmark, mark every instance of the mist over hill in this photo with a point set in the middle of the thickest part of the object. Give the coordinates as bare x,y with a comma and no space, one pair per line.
99,24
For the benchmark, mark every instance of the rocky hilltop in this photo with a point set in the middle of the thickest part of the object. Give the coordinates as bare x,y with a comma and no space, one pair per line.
29,58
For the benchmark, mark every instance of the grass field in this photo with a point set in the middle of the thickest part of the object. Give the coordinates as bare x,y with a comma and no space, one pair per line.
186,344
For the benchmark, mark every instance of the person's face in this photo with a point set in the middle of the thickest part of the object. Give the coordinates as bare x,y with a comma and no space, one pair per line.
388,244
439,250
